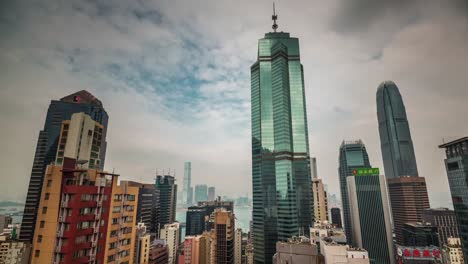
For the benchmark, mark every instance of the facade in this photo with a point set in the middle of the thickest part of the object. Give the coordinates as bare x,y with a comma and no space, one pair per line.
187,187
142,244
201,193
159,252
47,146
418,255
296,250
148,206
322,230
14,252
282,197
452,251
320,200
445,221
170,234
191,250
420,234
353,155
336,217
5,220
334,252
395,136
370,217
408,199
167,199
238,246
211,193
223,237
195,220
456,164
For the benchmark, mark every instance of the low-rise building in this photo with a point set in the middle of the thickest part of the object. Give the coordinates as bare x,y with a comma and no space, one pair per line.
298,250
452,252
159,253
14,252
170,233
334,252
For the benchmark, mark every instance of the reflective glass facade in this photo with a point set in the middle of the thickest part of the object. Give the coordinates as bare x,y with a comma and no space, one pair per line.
395,137
282,191
353,155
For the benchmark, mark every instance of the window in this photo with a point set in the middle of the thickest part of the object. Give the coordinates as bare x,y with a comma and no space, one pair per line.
131,197
49,183
42,224
117,197
116,209
44,210
112,245
110,258
115,221
37,253
47,196
39,238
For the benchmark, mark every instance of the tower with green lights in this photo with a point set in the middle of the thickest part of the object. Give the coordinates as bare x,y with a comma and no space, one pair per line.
281,179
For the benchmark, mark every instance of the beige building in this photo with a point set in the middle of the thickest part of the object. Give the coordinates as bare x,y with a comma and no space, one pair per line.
142,245
14,252
341,253
249,253
452,252
320,195
238,246
170,233
298,250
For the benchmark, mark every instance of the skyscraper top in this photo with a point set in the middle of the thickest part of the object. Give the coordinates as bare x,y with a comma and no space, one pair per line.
82,96
274,17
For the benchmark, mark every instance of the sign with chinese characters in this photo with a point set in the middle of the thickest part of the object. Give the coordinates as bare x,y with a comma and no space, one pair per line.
366,172
420,253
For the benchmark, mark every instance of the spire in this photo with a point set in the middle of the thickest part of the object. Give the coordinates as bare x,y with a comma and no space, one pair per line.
274,17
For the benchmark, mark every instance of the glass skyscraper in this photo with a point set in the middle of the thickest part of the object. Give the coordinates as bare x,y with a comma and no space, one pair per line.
395,137
187,184
353,155
47,143
282,190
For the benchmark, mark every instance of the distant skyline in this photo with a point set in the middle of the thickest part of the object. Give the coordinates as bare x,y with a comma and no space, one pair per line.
174,77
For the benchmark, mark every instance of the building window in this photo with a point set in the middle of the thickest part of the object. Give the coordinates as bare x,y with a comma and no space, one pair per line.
42,224
37,253
47,196
44,210
49,183
39,238
116,209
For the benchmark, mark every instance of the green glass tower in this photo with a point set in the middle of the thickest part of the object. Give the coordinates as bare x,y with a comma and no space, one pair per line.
282,189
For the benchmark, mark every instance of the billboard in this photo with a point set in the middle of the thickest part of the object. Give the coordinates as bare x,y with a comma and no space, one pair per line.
366,172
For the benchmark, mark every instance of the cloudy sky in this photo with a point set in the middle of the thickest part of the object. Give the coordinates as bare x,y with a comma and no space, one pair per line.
174,77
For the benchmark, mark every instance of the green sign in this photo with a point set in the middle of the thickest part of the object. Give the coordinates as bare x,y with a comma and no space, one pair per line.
366,172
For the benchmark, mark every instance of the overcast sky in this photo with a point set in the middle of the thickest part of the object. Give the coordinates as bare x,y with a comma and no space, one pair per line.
174,77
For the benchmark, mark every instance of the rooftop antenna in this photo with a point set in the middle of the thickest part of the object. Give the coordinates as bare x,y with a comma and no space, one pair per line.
274,17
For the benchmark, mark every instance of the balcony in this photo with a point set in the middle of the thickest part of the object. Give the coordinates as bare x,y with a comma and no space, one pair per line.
87,231
88,217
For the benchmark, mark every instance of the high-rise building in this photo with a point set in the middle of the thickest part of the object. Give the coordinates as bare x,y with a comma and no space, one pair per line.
186,190
445,221
142,244
296,250
195,220
159,252
456,164
336,217
5,220
419,234
148,206
211,193
48,143
408,199
353,156
167,199
452,251
170,233
238,246
223,236
395,137
282,188
370,216
201,193
320,200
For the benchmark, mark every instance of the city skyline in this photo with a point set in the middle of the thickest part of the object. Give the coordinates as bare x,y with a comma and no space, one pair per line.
341,80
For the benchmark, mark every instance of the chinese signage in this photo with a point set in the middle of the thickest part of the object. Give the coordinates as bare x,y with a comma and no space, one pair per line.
366,172
419,253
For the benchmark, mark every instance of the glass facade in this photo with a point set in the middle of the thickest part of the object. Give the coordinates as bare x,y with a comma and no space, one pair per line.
353,155
47,143
395,137
282,190
456,165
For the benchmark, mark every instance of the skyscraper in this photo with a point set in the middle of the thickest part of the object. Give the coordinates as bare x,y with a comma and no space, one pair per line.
353,155
282,189
201,193
456,165
223,236
170,233
211,193
336,217
445,221
187,188
370,216
395,137
47,144
167,199
320,200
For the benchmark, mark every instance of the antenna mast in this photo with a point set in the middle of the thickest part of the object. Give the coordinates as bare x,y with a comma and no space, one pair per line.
274,17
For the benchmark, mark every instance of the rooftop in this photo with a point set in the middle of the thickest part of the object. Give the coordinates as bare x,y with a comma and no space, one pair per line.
454,142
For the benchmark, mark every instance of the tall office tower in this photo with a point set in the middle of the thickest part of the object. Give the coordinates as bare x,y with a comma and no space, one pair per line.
195,220
186,190
238,246
313,166
282,188
336,217
418,234
370,216
167,199
445,221
223,236
456,164
211,193
148,205
142,245
170,233
395,137
74,215
408,199
201,193
320,200
47,144
353,155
